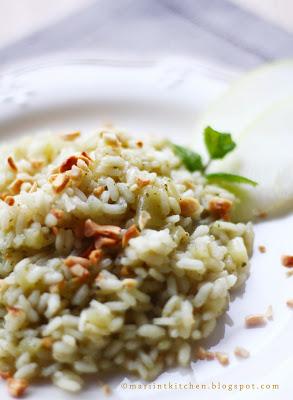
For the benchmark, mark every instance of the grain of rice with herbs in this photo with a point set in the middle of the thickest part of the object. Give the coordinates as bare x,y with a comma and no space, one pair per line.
113,257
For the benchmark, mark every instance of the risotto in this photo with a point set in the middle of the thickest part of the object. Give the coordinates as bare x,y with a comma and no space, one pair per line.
114,257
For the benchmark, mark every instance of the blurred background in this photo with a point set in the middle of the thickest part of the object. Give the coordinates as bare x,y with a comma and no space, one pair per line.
240,33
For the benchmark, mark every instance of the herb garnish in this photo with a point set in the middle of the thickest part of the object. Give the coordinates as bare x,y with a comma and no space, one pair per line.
218,145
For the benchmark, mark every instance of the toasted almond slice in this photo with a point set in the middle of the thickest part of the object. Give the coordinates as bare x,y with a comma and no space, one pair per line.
241,352
131,233
69,137
188,206
95,256
92,229
289,303
72,260
262,249
220,208
255,320
60,182
68,164
269,312
222,358
12,164
287,261
17,387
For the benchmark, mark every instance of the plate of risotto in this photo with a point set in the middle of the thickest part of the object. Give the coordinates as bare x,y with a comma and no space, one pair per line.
145,239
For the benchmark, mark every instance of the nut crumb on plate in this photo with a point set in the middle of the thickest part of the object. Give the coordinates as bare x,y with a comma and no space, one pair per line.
222,358
289,303
287,261
262,249
269,312
255,320
241,352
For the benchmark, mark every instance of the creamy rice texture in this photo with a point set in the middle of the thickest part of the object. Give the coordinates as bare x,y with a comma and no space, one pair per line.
113,258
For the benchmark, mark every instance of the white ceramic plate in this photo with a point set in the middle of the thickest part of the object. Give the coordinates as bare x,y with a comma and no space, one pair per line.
149,97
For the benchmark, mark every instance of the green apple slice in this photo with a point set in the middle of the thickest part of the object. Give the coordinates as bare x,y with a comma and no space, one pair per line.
264,154
246,99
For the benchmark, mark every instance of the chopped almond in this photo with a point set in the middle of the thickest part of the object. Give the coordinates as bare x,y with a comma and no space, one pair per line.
72,260
220,208
16,185
107,390
262,249
263,215
131,232
5,374
14,310
95,256
222,358
290,303
241,352
287,261
68,163
47,342
17,387
99,190
111,139
201,353
12,164
86,155
55,230
139,144
58,214
255,320
92,229
69,137
142,182
79,271
188,206
10,200
60,182
269,312
101,242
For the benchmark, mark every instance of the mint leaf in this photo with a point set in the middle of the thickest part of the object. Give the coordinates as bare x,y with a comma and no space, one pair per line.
231,178
191,160
218,143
